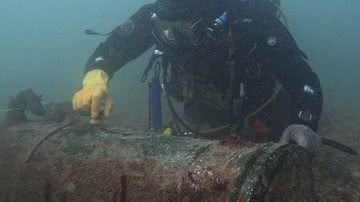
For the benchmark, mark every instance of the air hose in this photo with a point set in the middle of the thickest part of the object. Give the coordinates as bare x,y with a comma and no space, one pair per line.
197,131
178,121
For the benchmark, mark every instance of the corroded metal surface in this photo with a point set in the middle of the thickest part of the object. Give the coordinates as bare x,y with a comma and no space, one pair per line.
97,164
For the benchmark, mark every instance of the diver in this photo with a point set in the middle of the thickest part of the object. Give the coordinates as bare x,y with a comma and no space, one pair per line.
232,63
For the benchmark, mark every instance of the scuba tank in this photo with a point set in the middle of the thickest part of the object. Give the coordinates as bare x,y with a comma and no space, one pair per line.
154,100
155,116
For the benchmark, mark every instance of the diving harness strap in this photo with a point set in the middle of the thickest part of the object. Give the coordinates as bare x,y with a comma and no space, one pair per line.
239,120
182,127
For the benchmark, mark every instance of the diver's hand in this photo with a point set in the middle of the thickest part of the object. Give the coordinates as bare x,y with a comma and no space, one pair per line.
90,101
303,136
93,97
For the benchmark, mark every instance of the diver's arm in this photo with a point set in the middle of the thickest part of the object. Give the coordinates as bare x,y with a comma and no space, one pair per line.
126,42
304,88
294,73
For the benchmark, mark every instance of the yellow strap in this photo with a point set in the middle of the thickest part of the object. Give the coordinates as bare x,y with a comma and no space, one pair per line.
96,78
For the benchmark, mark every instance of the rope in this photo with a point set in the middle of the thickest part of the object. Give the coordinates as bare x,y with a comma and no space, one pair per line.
50,134
9,110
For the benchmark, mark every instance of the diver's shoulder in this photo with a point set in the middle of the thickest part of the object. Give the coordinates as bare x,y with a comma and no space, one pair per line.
148,7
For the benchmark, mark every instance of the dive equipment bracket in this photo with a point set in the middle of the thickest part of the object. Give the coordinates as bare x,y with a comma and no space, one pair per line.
306,116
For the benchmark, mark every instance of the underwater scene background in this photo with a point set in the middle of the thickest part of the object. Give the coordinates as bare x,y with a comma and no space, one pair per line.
43,46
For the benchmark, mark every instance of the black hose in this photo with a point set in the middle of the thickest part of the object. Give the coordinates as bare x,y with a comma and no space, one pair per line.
145,75
339,146
177,118
90,32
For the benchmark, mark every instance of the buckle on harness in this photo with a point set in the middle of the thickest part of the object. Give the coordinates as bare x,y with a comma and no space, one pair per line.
305,116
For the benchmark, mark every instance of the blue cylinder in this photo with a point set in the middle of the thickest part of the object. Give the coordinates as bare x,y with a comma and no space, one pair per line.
221,20
155,104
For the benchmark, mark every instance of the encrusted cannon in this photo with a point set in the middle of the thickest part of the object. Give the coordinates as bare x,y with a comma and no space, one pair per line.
45,162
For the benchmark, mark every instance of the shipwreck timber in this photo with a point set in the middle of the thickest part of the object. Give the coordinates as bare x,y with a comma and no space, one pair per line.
59,162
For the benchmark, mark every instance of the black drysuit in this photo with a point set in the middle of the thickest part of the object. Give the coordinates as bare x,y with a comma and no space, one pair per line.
264,52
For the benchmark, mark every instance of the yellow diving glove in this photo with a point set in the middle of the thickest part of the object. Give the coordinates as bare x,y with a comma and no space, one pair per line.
93,96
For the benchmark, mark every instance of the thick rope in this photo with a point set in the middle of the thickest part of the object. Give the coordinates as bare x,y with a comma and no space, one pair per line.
9,110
